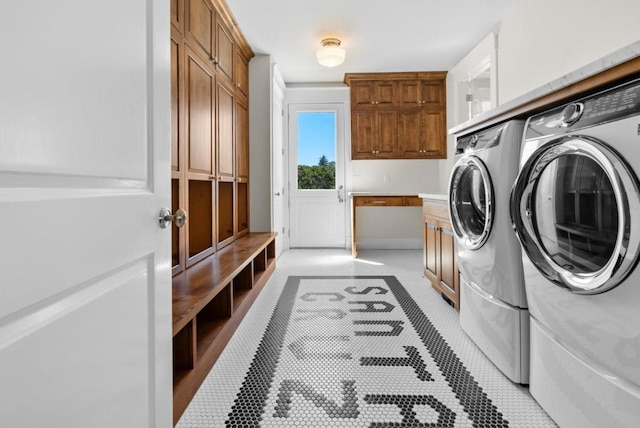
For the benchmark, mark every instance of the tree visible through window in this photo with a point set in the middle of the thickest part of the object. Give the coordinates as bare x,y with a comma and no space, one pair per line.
316,150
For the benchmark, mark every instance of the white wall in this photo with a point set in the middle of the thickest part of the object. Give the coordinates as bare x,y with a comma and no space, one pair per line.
260,143
377,227
456,103
542,40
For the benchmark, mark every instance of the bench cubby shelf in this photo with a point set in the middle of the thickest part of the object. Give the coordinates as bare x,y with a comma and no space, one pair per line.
209,301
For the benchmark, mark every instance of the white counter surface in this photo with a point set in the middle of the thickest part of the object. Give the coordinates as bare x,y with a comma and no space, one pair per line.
438,196
618,57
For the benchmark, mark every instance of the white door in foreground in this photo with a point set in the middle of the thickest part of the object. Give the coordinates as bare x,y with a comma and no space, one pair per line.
316,176
85,283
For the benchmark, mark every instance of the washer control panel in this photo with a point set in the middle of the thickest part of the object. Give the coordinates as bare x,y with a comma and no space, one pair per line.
612,104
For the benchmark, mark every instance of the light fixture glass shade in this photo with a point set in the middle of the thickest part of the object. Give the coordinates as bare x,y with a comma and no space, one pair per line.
330,54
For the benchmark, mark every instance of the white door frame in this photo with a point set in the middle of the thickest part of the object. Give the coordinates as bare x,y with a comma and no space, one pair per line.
279,197
341,158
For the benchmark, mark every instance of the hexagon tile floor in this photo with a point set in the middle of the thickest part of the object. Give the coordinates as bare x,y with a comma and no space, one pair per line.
371,345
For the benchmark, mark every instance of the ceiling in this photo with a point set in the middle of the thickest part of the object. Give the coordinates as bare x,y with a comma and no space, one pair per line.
378,35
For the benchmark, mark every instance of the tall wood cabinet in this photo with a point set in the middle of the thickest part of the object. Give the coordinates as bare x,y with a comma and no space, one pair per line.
398,115
218,266
209,144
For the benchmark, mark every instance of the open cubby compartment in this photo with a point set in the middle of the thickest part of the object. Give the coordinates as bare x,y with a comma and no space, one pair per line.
200,224
242,202
242,284
212,318
184,355
225,212
260,261
271,251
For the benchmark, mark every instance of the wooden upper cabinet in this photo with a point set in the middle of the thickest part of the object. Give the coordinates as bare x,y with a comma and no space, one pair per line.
412,119
421,134
225,142
241,74
177,14
373,134
421,93
225,52
200,93
373,94
200,25
242,142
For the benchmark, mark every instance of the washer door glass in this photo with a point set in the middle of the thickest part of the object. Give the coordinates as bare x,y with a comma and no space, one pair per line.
470,202
570,207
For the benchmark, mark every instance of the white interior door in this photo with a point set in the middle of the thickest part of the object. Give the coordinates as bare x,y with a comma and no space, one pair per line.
317,202
85,283
278,171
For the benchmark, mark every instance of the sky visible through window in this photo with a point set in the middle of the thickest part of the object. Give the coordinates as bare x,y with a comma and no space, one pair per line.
316,137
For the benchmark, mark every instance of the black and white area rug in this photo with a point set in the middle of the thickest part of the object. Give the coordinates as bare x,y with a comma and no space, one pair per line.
353,351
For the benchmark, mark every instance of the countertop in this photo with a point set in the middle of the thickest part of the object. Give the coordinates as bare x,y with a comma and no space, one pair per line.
438,196
618,57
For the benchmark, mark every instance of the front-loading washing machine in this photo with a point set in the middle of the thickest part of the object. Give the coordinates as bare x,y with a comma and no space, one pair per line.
576,209
493,304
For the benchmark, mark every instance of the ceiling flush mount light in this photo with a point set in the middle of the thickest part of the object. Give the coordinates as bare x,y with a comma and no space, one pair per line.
330,54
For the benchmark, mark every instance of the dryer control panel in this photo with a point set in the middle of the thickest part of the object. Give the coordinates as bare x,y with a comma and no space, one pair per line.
612,104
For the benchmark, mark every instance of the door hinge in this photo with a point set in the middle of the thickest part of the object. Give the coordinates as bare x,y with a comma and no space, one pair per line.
283,230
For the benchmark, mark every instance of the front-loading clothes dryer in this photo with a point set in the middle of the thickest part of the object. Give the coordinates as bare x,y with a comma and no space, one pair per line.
493,305
576,209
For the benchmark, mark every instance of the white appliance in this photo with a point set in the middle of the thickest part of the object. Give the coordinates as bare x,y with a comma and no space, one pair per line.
576,209
493,304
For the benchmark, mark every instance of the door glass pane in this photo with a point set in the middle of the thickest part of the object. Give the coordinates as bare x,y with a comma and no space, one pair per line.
316,150
576,214
471,203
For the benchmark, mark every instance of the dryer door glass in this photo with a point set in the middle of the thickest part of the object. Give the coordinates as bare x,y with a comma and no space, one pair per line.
576,214
471,202
571,206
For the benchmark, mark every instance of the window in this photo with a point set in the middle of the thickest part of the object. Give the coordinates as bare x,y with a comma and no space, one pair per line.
316,150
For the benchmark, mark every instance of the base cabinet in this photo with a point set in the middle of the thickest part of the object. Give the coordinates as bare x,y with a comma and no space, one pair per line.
439,260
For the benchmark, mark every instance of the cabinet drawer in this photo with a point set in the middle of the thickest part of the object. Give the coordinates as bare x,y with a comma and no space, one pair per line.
380,201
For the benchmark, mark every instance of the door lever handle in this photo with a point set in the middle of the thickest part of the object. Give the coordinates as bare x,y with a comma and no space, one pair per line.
340,198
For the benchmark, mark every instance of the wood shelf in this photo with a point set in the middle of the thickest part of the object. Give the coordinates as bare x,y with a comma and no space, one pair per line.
209,301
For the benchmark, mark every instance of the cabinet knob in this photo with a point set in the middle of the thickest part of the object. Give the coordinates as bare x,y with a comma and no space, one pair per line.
215,60
212,177
373,102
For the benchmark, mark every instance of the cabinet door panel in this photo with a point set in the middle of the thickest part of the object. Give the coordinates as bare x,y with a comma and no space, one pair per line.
386,133
362,135
432,93
409,93
200,109
242,74
448,268
224,50
431,250
363,94
434,139
242,142
200,24
409,133
176,69
177,14
225,132
385,94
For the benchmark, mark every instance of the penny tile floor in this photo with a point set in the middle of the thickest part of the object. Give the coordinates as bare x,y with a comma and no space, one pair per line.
337,342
